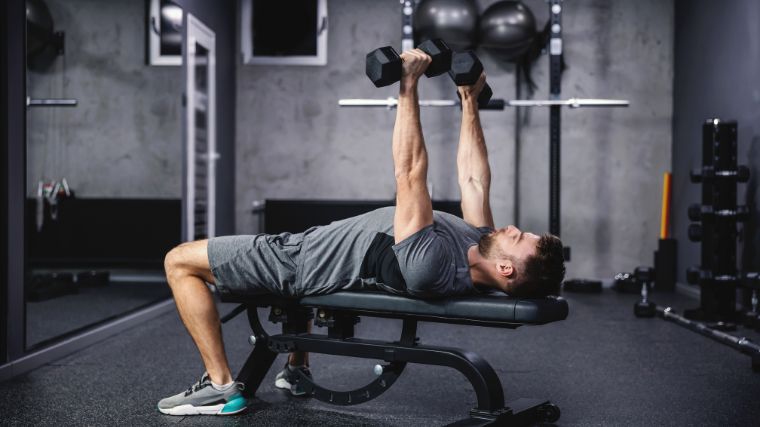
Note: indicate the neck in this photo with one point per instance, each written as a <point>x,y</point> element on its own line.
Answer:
<point>482,272</point>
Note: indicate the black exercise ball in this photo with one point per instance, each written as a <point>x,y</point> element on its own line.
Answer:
<point>39,26</point>
<point>454,21</point>
<point>42,44</point>
<point>507,29</point>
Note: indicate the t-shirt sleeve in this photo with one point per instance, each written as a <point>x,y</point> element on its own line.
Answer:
<point>426,262</point>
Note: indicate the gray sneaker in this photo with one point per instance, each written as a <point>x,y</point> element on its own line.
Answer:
<point>287,380</point>
<point>203,399</point>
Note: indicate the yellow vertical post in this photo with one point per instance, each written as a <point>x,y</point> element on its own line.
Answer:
<point>665,216</point>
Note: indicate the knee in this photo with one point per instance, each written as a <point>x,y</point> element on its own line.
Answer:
<point>173,264</point>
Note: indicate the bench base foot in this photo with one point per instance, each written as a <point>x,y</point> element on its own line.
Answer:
<point>517,413</point>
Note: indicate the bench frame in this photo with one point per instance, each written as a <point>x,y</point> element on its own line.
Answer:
<point>340,340</point>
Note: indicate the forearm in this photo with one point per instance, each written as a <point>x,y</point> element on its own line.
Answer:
<point>472,155</point>
<point>409,154</point>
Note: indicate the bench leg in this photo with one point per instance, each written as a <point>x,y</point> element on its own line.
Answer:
<point>480,374</point>
<point>256,367</point>
<point>259,361</point>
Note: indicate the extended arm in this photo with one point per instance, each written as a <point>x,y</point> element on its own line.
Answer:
<point>414,209</point>
<point>473,171</point>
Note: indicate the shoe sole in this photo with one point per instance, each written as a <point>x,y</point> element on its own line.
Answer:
<point>232,407</point>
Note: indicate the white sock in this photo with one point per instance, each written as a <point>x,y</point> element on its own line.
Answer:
<point>222,387</point>
<point>294,367</point>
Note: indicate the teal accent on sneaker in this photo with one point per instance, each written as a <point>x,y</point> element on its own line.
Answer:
<point>236,404</point>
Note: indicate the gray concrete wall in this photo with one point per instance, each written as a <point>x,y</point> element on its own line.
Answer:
<point>294,142</point>
<point>124,138</point>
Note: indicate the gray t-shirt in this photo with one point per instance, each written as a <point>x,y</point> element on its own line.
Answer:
<point>358,253</point>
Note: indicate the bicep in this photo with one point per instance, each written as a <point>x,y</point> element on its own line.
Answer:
<point>414,209</point>
<point>476,206</point>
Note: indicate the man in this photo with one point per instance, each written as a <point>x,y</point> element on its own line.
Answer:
<point>408,250</point>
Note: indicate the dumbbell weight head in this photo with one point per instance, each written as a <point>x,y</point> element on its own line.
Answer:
<point>695,212</point>
<point>383,66</point>
<point>695,232</point>
<point>644,309</point>
<point>466,68</point>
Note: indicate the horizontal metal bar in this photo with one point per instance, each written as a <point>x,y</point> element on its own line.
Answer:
<point>51,102</point>
<point>494,104</point>
<point>572,102</point>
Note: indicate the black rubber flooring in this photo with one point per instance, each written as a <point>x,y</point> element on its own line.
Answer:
<point>602,367</point>
<point>57,316</point>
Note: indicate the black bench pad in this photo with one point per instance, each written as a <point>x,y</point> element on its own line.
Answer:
<point>493,307</point>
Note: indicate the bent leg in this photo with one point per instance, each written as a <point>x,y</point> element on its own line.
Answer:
<point>187,271</point>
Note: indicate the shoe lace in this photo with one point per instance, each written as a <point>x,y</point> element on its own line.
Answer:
<point>201,383</point>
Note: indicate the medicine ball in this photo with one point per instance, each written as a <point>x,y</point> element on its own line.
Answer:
<point>507,29</point>
<point>39,26</point>
<point>454,21</point>
<point>41,40</point>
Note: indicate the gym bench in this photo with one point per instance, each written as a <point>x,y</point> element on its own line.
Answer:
<point>339,312</point>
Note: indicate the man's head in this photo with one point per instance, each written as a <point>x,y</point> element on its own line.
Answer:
<point>527,265</point>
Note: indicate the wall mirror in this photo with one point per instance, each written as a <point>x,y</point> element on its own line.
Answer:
<point>200,131</point>
<point>103,166</point>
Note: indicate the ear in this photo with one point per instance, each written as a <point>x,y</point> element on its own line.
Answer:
<point>505,268</point>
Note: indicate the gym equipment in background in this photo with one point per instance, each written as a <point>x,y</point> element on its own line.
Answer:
<point>493,104</point>
<point>455,21</point>
<point>43,43</point>
<point>665,256</point>
<point>43,46</point>
<point>582,286</point>
<point>663,276</point>
<point>643,277</point>
<point>717,275</point>
<point>507,29</point>
<point>715,224</point>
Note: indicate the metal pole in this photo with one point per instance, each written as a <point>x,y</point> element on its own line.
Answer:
<point>555,89</point>
<point>518,139</point>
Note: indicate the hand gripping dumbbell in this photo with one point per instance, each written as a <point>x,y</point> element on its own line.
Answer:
<point>383,64</point>
<point>465,70</point>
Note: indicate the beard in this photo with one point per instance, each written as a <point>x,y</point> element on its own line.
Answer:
<point>487,247</point>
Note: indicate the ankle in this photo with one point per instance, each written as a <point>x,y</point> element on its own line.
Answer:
<point>221,379</point>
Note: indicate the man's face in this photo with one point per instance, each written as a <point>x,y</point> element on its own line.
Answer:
<point>508,242</point>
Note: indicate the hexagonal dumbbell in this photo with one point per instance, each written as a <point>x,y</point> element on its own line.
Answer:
<point>695,232</point>
<point>383,65</point>
<point>465,70</point>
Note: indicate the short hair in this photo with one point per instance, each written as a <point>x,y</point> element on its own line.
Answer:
<point>541,274</point>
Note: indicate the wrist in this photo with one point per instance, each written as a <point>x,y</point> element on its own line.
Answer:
<point>469,104</point>
<point>408,85</point>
